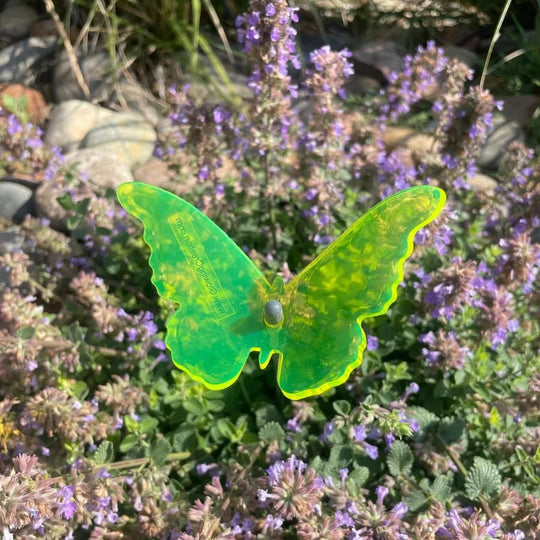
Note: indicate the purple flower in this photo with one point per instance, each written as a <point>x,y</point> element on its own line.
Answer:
<point>372,343</point>
<point>270,10</point>
<point>272,523</point>
<point>371,451</point>
<point>13,125</point>
<point>359,433</point>
<point>343,519</point>
<point>400,510</point>
<point>381,492</point>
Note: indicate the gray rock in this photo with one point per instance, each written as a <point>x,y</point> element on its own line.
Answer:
<point>71,120</point>
<point>483,183</point>
<point>11,239</point>
<point>520,109</point>
<point>102,170</point>
<point>97,72</point>
<point>383,54</point>
<point>137,99</point>
<point>462,54</point>
<point>373,62</point>
<point>125,135</point>
<point>16,19</point>
<point>48,207</point>
<point>15,201</point>
<point>504,133</point>
<point>20,62</point>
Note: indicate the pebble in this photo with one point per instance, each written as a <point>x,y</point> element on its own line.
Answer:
<point>71,120</point>
<point>483,183</point>
<point>520,109</point>
<point>11,240</point>
<point>21,62</point>
<point>155,172</point>
<point>36,107</point>
<point>419,143</point>
<point>96,69</point>
<point>504,133</point>
<point>126,135</point>
<point>137,99</point>
<point>48,207</point>
<point>15,201</point>
<point>468,57</point>
<point>102,170</point>
<point>16,20</point>
<point>383,54</point>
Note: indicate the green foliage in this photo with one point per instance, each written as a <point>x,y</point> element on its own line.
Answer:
<point>483,479</point>
<point>271,432</point>
<point>17,106</point>
<point>161,31</point>
<point>104,453</point>
<point>159,451</point>
<point>400,459</point>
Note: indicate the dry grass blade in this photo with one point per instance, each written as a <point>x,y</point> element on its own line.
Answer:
<point>72,57</point>
<point>219,28</point>
<point>496,36</point>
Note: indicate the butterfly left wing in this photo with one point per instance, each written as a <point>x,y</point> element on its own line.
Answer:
<point>321,338</point>
<point>219,289</point>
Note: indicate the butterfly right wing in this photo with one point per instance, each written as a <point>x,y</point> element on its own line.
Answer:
<point>356,277</point>
<point>220,290</point>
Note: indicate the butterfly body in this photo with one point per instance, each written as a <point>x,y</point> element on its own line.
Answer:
<point>227,308</point>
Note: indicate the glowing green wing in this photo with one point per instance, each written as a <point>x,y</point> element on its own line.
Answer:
<point>219,289</point>
<point>321,339</point>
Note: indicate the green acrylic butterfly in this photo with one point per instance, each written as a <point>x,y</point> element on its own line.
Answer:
<point>228,309</point>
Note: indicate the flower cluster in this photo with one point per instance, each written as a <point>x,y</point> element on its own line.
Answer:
<point>24,152</point>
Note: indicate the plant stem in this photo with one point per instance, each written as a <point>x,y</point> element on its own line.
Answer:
<point>132,463</point>
<point>129,464</point>
<point>496,36</point>
<point>270,203</point>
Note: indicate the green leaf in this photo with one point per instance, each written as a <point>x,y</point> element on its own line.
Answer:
<point>441,488</point>
<point>26,332</point>
<point>80,390</point>
<point>494,417</point>
<point>427,423</point>
<point>266,414</point>
<point>483,479</point>
<point>342,407</point>
<point>400,458</point>
<point>272,432</point>
<point>129,442</point>
<point>104,453</point>
<point>451,429</point>
<point>215,405</point>
<point>16,105</point>
<point>185,440</point>
<point>194,406</point>
<point>356,479</point>
<point>416,501</point>
<point>340,456</point>
<point>226,428</point>
<point>148,423</point>
<point>159,451</point>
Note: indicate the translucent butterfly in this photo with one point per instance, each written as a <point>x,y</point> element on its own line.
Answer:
<point>227,308</point>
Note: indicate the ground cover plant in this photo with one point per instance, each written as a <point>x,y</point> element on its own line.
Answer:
<point>436,435</point>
